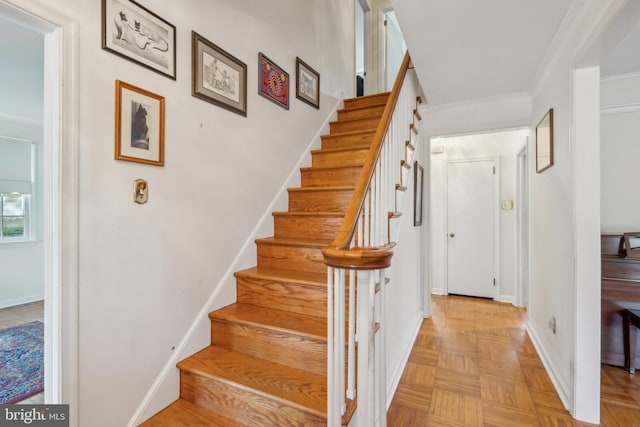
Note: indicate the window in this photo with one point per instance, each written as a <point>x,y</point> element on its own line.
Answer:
<point>16,189</point>
<point>14,216</point>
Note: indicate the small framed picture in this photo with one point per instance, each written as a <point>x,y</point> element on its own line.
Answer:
<point>273,82</point>
<point>139,125</point>
<point>307,84</point>
<point>134,32</point>
<point>218,77</point>
<point>418,184</point>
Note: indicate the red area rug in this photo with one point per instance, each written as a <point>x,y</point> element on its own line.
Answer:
<point>21,362</point>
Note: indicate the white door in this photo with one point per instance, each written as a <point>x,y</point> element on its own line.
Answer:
<point>471,210</point>
<point>395,47</point>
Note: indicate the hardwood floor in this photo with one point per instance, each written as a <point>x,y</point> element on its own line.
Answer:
<point>14,316</point>
<point>474,365</point>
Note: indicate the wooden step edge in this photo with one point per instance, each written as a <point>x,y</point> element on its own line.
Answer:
<point>320,189</point>
<point>418,100</point>
<point>417,114</point>
<point>365,146</point>
<point>400,187</point>
<point>327,168</point>
<point>410,146</point>
<point>361,107</point>
<point>183,413</point>
<point>405,164</point>
<point>309,214</point>
<point>376,327</point>
<point>302,243</point>
<point>373,95</point>
<point>269,314</point>
<point>414,128</point>
<point>235,382</point>
<point>392,215</point>
<point>285,276</point>
<point>347,134</point>
<point>356,120</point>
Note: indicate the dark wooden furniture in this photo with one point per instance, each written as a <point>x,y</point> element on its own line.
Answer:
<point>631,323</point>
<point>620,289</point>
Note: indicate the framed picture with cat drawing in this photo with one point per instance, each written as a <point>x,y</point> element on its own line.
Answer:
<point>139,125</point>
<point>134,32</point>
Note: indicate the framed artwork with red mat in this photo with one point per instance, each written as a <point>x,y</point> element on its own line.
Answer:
<point>273,82</point>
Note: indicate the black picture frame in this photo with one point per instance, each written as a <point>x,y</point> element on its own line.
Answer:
<point>217,76</point>
<point>132,31</point>
<point>307,84</point>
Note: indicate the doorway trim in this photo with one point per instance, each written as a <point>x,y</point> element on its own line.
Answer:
<point>521,291</point>
<point>61,195</point>
<point>496,222</point>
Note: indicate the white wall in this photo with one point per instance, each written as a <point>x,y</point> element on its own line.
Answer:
<point>620,127</point>
<point>147,270</point>
<point>495,144</point>
<point>21,106</point>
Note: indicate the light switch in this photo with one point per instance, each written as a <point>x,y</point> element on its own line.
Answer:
<point>140,191</point>
<point>507,205</point>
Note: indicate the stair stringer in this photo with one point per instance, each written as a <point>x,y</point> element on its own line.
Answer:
<point>166,387</point>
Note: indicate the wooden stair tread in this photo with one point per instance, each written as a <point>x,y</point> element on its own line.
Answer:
<point>297,276</point>
<point>320,189</point>
<point>286,321</point>
<point>348,133</point>
<point>326,214</point>
<point>342,149</point>
<point>311,243</point>
<point>290,385</point>
<point>361,107</point>
<point>184,413</point>
<point>356,120</point>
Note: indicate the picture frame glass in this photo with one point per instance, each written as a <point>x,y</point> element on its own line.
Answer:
<point>139,125</point>
<point>307,84</point>
<point>136,33</point>
<point>273,82</point>
<point>218,77</point>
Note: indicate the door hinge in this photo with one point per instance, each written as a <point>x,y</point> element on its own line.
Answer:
<point>494,170</point>
<point>385,22</point>
<point>494,282</point>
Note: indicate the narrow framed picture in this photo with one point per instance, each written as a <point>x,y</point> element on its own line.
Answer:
<point>273,82</point>
<point>139,35</point>
<point>307,84</point>
<point>217,76</point>
<point>139,125</point>
<point>418,184</point>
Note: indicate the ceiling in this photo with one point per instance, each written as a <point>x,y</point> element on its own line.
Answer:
<point>470,49</point>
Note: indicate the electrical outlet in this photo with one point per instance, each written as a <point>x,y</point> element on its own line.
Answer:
<point>552,324</point>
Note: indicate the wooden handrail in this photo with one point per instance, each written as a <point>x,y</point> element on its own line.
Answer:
<point>364,258</point>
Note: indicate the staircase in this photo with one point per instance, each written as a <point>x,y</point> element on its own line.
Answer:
<point>267,362</point>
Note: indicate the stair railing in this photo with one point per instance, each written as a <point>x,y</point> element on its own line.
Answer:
<point>357,260</point>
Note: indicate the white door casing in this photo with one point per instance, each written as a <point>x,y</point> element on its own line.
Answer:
<point>521,297</point>
<point>471,223</point>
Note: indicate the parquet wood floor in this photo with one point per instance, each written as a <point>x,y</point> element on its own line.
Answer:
<point>473,364</point>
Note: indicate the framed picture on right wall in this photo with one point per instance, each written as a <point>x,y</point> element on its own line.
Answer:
<point>544,142</point>
<point>307,84</point>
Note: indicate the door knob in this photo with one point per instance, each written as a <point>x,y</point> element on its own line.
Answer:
<point>452,234</point>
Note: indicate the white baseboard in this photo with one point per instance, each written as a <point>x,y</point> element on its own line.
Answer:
<point>506,298</point>
<point>437,291</point>
<point>397,375</point>
<point>19,301</point>
<point>561,389</point>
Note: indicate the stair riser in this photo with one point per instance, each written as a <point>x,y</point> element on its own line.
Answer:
<point>355,157</point>
<point>361,113</point>
<point>319,201</point>
<point>243,405</point>
<point>277,346</point>
<point>291,258</point>
<point>314,177</point>
<point>294,297</point>
<point>363,101</point>
<point>310,227</point>
<point>346,141</point>
<point>354,125</point>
